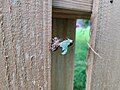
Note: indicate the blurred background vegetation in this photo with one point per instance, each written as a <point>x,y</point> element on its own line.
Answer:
<point>81,52</point>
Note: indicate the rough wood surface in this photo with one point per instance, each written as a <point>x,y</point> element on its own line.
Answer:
<point>79,5</point>
<point>71,14</point>
<point>93,21</point>
<point>25,32</point>
<point>106,71</point>
<point>63,66</point>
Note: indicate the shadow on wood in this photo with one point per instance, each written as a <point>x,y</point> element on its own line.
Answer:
<point>63,65</point>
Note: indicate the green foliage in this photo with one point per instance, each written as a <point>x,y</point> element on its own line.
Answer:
<point>82,36</point>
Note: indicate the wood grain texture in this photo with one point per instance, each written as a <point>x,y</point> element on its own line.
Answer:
<point>63,65</point>
<point>77,5</point>
<point>105,72</point>
<point>25,32</point>
<point>90,60</point>
<point>71,14</point>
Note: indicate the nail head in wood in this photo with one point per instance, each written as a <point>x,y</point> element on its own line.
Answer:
<point>111,1</point>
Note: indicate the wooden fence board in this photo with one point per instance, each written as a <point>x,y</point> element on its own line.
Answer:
<point>71,14</point>
<point>105,73</point>
<point>25,32</point>
<point>63,65</point>
<point>79,5</point>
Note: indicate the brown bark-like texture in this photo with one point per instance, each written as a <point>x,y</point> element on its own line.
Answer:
<point>105,71</point>
<point>25,32</point>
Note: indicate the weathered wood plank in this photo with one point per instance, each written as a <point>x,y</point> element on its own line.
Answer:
<point>63,66</point>
<point>94,21</point>
<point>25,32</point>
<point>65,13</point>
<point>105,73</point>
<point>77,5</point>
